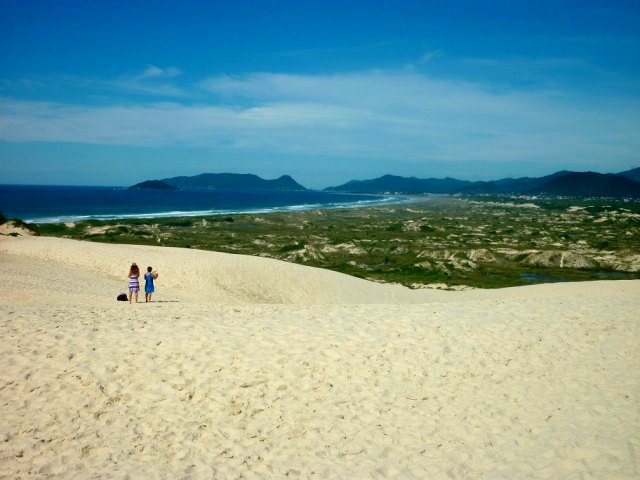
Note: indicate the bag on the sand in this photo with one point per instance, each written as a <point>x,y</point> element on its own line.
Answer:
<point>122,297</point>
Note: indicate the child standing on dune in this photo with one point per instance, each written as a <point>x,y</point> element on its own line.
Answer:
<point>149,277</point>
<point>134,282</point>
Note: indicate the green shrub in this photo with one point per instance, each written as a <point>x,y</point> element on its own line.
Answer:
<point>292,247</point>
<point>601,244</point>
<point>179,223</point>
<point>27,226</point>
<point>54,229</point>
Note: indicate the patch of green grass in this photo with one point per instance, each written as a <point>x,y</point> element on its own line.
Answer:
<point>482,242</point>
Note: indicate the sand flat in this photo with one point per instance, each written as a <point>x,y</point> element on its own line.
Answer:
<point>254,368</point>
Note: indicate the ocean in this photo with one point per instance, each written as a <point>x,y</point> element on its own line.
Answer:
<point>50,204</point>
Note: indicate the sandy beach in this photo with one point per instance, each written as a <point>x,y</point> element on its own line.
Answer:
<point>249,367</point>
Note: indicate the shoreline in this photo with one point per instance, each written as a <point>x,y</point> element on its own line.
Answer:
<point>183,203</point>
<point>219,213</point>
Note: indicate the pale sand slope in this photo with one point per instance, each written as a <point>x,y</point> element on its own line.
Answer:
<point>253,368</point>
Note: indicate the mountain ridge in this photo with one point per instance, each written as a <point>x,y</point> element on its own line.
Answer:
<point>152,185</point>
<point>394,183</point>
<point>563,183</point>
<point>633,174</point>
<point>239,181</point>
<point>593,184</point>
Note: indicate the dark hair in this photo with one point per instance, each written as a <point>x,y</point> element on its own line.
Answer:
<point>149,269</point>
<point>134,270</point>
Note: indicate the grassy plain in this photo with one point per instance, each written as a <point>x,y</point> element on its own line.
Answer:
<point>448,241</point>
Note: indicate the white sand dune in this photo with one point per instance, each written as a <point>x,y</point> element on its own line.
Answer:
<point>253,368</point>
<point>214,277</point>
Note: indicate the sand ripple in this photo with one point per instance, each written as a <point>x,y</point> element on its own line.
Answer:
<point>538,382</point>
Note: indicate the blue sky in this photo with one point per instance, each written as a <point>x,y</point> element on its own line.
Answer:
<point>116,92</point>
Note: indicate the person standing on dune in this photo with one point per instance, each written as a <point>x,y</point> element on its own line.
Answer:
<point>149,277</point>
<point>134,281</point>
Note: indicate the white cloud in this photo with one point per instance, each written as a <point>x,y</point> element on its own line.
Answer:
<point>151,82</point>
<point>388,116</point>
<point>427,57</point>
<point>156,72</point>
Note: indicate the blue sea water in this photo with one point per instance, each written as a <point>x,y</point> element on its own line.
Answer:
<point>49,204</point>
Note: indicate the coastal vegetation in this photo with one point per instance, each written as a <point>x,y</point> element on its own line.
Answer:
<point>15,227</point>
<point>444,241</point>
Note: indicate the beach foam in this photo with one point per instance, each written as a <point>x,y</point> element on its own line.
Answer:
<point>250,367</point>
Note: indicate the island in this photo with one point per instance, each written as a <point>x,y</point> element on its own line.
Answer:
<point>235,181</point>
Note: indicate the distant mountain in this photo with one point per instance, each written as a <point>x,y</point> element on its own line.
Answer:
<point>392,183</point>
<point>152,185</point>
<point>510,185</point>
<point>233,181</point>
<point>590,184</point>
<point>633,174</point>
<point>563,183</point>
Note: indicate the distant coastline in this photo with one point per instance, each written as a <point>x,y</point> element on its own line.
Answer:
<point>53,204</point>
<point>224,194</point>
